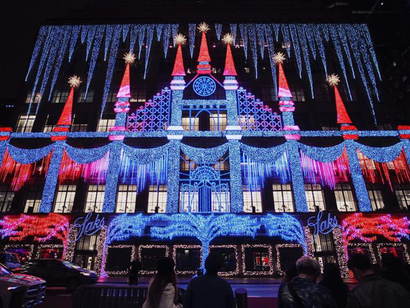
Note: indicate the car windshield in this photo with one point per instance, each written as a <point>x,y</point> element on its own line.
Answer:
<point>4,271</point>
<point>71,265</point>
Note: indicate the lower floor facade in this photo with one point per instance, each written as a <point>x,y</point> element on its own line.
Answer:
<point>249,244</point>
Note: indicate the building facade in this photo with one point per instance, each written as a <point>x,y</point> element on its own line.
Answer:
<point>162,149</point>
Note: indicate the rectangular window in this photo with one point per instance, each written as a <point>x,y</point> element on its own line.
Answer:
<point>344,198</point>
<point>95,198</point>
<point>64,199</point>
<point>37,98</point>
<point>220,201</point>
<point>6,198</point>
<point>50,123</point>
<point>112,95</point>
<point>252,201</point>
<point>188,201</point>
<point>157,199</point>
<point>314,197</point>
<point>33,199</point>
<point>88,242</point>
<point>88,99</point>
<point>298,94</point>
<point>126,199</point>
<point>217,122</point>
<point>282,198</point>
<point>78,125</point>
<point>403,195</point>
<point>60,95</point>
<point>376,198</point>
<point>25,123</point>
<point>190,124</point>
<point>139,95</point>
<point>268,94</point>
<point>104,125</point>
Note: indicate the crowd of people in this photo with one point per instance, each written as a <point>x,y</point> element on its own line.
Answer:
<point>303,285</point>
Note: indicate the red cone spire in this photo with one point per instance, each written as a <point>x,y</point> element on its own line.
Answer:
<point>125,90</point>
<point>65,118</point>
<point>342,115</point>
<point>203,59</point>
<point>229,64</point>
<point>179,69</point>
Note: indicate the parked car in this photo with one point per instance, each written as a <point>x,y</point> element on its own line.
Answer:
<point>19,290</point>
<point>59,273</point>
<point>10,259</point>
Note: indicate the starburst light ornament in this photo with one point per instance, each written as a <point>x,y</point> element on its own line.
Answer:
<point>129,57</point>
<point>74,81</point>
<point>180,39</point>
<point>333,79</point>
<point>203,27</point>
<point>228,38</point>
<point>279,57</point>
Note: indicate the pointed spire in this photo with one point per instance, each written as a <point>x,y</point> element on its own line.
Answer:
<point>283,83</point>
<point>66,114</point>
<point>125,90</point>
<point>342,115</point>
<point>203,59</point>
<point>229,63</point>
<point>179,69</point>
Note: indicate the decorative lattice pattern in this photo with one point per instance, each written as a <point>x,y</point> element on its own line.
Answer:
<point>154,116</point>
<point>253,115</point>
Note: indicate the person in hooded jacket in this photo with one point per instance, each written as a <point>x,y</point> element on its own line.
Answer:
<point>162,290</point>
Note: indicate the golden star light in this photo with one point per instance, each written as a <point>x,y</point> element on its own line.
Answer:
<point>74,81</point>
<point>203,27</point>
<point>333,79</point>
<point>129,57</point>
<point>279,57</point>
<point>180,39</point>
<point>228,38</point>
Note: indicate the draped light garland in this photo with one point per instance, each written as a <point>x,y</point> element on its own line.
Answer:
<point>22,172</point>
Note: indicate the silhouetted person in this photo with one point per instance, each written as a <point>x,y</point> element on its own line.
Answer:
<point>332,280</point>
<point>374,291</point>
<point>303,291</point>
<point>162,289</point>
<point>392,268</point>
<point>209,290</point>
<point>134,269</point>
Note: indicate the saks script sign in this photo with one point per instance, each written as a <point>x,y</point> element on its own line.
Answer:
<point>322,225</point>
<point>88,226</point>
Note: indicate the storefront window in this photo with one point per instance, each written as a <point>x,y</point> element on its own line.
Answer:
<point>157,199</point>
<point>344,198</point>
<point>314,197</point>
<point>150,255</point>
<point>252,201</point>
<point>126,198</point>
<point>187,258</point>
<point>282,198</point>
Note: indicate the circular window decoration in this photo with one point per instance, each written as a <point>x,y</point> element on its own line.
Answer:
<point>204,86</point>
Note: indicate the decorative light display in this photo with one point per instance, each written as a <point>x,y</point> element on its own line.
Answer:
<point>253,40</point>
<point>341,252</point>
<point>244,36</point>
<point>28,247</point>
<point>205,228</point>
<point>132,258</point>
<point>345,43</point>
<point>204,86</point>
<point>234,29</point>
<point>271,53</point>
<point>141,247</point>
<point>305,52</point>
<point>286,227</point>
<point>366,229</point>
<point>260,31</point>
<point>309,242</point>
<point>270,260</point>
<point>359,247</point>
<point>126,29</point>
<point>100,261</point>
<point>37,47</point>
<point>141,38</point>
<point>278,247</point>
<point>186,247</point>
<point>47,246</point>
<point>41,228</point>
<point>70,247</point>
<point>320,46</point>
<point>380,247</point>
<point>218,30</point>
<point>108,37</point>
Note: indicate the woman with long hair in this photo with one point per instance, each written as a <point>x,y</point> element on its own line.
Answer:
<point>162,290</point>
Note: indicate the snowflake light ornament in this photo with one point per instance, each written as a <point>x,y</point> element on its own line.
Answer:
<point>279,57</point>
<point>333,79</point>
<point>180,39</point>
<point>228,38</point>
<point>74,81</point>
<point>203,27</point>
<point>129,57</point>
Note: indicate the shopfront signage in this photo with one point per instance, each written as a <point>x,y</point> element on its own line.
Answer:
<point>322,225</point>
<point>87,225</point>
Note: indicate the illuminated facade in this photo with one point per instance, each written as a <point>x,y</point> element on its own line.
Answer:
<point>203,165</point>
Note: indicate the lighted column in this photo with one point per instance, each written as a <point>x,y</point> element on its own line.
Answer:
<point>404,133</point>
<point>111,182</point>
<point>52,178</point>
<point>287,107</point>
<point>235,176</point>
<point>173,176</point>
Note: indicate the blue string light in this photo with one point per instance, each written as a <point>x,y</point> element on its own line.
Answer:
<point>84,31</point>
<point>191,38</point>
<point>90,40</point>
<point>343,38</point>
<point>94,56</point>
<point>39,42</point>
<point>174,31</point>
<point>133,36</point>
<point>244,36</point>
<point>310,36</point>
<point>125,30</point>
<point>260,31</point>
<point>150,36</point>
<point>234,29</point>
<point>367,36</point>
<point>108,38</point>
<point>218,30</point>
<point>159,28</point>
<point>141,37</point>
<point>296,48</point>
<point>305,52</point>
<point>286,37</point>
<point>73,40</point>
<point>276,29</point>
<point>320,46</point>
<point>271,53</point>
